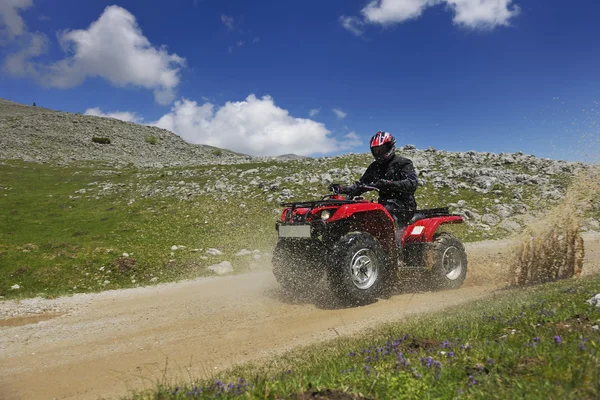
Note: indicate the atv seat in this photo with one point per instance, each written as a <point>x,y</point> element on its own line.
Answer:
<point>430,212</point>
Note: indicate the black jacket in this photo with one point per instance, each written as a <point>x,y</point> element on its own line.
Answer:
<point>401,172</point>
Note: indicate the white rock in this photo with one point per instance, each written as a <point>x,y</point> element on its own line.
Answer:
<point>15,287</point>
<point>125,255</point>
<point>595,300</point>
<point>257,257</point>
<point>222,268</point>
<point>173,248</point>
<point>243,252</point>
<point>214,252</point>
<point>154,279</point>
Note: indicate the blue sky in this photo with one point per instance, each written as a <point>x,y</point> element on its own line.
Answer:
<point>484,75</point>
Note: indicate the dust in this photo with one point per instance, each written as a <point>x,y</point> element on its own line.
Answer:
<point>552,248</point>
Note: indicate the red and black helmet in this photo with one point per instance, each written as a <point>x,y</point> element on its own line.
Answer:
<point>382,146</point>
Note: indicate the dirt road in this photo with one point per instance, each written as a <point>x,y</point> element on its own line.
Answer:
<point>115,341</point>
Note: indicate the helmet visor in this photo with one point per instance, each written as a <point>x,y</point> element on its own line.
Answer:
<point>380,151</point>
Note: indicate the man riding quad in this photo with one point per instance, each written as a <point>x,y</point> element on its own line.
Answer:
<point>394,176</point>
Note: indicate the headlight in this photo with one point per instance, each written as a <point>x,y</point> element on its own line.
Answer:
<point>325,215</point>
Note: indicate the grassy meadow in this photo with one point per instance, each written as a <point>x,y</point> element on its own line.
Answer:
<point>88,228</point>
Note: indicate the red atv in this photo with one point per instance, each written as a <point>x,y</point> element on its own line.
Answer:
<point>353,241</point>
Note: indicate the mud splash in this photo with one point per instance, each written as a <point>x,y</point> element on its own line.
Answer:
<point>552,248</point>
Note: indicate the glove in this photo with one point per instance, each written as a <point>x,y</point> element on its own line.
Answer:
<point>335,187</point>
<point>382,184</point>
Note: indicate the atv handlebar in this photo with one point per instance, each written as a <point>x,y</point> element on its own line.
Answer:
<point>362,188</point>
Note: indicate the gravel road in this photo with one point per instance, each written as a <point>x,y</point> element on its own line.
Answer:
<point>102,345</point>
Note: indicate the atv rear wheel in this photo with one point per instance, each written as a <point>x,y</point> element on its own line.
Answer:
<point>293,270</point>
<point>358,270</point>
<point>449,268</point>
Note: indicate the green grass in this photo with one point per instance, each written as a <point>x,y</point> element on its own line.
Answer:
<point>54,241</point>
<point>534,343</point>
<point>57,239</point>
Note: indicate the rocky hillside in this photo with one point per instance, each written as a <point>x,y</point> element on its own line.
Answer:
<point>38,134</point>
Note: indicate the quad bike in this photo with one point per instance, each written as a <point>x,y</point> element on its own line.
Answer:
<point>352,242</point>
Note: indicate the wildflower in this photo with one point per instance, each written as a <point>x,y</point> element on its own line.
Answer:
<point>445,344</point>
<point>472,381</point>
<point>426,361</point>
<point>450,354</point>
<point>351,354</point>
<point>557,339</point>
<point>289,371</point>
<point>490,361</point>
<point>367,370</point>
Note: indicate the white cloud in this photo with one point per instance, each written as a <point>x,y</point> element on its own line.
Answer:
<point>11,23</point>
<point>228,21</point>
<point>114,48</point>
<point>353,24</point>
<point>339,113</point>
<point>122,115</point>
<point>476,14</point>
<point>351,140</point>
<point>483,14</point>
<point>314,112</point>
<point>386,12</point>
<point>253,126</point>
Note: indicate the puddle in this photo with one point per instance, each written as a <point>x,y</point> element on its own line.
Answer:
<point>30,319</point>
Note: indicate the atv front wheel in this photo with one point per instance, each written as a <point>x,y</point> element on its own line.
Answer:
<point>449,268</point>
<point>358,270</point>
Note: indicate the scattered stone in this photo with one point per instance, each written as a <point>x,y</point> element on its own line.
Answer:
<point>15,287</point>
<point>595,301</point>
<point>222,268</point>
<point>243,252</point>
<point>510,225</point>
<point>214,252</point>
<point>490,219</point>
<point>173,248</point>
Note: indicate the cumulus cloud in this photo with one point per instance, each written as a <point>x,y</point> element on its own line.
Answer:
<point>113,48</point>
<point>11,23</point>
<point>339,113</point>
<point>483,14</point>
<point>476,14</point>
<point>254,126</point>
<point>122,115</point>
<point>394,11</point>
<point>314,112</point>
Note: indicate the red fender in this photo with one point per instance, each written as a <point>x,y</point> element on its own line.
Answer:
<point>423,230</point>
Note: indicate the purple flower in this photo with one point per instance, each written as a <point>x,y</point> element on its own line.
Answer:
<point>426,361</point>
<point>402,360</point>
<point>490,361</point>
<point>557,339</point>
<point>351,354</point>
<point>450,354</point>
<point>289,371</point>
<point>536,340</point>
<point>445,344</point>
<point>367,370</point>
<point>472,381</point>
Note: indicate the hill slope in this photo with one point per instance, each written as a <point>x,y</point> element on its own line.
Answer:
<point>41,135</point>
